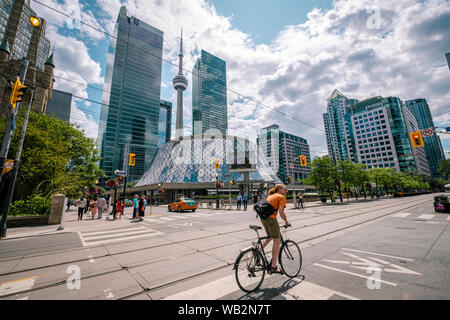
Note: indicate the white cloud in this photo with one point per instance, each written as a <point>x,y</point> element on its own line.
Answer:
<point>86,122</point>
<point>347,47</point>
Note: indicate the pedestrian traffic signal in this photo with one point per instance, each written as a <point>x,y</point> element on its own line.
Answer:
<point>132,160</point>
<point>217,163</point>
<point>17,91</point>
<point>303,161</point>
<point>416,139</point>
<point>120,179</point>
<point>290,179</point>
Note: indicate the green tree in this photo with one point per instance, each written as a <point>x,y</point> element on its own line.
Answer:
<point>56,158</point>
<point>322,171</point>
<point>444,168</point>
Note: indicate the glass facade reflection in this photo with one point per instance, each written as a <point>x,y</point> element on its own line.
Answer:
<point>209,94</point>
<point>129,120</point>
<point>191,159</point>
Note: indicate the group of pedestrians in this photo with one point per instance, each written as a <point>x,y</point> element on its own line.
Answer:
<point>139,205</point>
<point>95,205</point>
<point>243,199</point>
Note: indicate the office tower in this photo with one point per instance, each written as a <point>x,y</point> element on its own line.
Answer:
<point>338,129</point>
<point>165,122</point>
<point>433,147</point>
<point>60,105</point>
<point>180,84</point>
<point>381,129</point>
<point>129,118</point>
<point>282,151</point>
<point>209,95</point>
<point>20,39</point>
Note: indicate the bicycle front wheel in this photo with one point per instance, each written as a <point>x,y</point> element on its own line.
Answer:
<point>250,270</point>
<point>290,258</point>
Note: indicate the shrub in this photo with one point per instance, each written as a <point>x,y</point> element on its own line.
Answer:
<point>32,206</point>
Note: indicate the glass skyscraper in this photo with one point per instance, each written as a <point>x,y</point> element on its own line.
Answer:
<point>209,94</point>
<point>130,115</point>
<point>165,122</point>
<point>433,147</point>
<point>282,151</point>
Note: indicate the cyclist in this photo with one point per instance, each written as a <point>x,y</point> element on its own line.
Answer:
<point>278,200</point>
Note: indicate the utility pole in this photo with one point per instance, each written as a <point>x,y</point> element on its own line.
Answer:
<point>15,169</point>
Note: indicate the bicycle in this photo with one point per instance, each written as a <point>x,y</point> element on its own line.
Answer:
<point>251,264</point>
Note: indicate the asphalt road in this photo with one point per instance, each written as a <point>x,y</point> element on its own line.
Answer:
<point>383,249</point>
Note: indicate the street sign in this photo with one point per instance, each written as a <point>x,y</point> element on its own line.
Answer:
<point>427,132</point>
<point>119,173</point>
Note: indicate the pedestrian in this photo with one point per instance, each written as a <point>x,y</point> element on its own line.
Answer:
<point>263,195</point>
<point>68,204</point>
<point>119,209</point>
<point>300,200</point>
<point>135,206</point>
<point>255,198</point>
<point>245,200</point>
<point>86,208</point>
<point>101,205</point>
<point>93,207</point>
<point>239,201</point>
<point>81,204</point>
<point>141,208</point>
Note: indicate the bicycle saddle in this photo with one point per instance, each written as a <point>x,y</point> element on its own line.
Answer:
<point>255,227</point>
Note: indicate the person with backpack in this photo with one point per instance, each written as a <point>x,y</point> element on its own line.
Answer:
<point>267,210</point>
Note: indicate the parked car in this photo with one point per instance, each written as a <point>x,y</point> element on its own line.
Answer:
<point>182,204</point>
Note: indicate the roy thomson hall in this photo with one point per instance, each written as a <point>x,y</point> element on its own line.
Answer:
<point>187,166</point>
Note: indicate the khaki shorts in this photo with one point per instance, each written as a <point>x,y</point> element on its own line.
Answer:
<point>272,228</point>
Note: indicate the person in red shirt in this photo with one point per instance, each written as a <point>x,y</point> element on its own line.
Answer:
<point>278,201</point>
<point>119,208</point>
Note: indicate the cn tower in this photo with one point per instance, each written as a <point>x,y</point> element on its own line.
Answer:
<point>180,84</point>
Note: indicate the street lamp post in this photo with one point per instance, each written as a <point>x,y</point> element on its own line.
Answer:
<point>217,190</point>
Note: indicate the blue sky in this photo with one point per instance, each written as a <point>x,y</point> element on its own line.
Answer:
<point>289,55</point>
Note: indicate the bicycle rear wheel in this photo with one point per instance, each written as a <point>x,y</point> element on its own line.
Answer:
<point>290,259</point>
<point>250,270</point>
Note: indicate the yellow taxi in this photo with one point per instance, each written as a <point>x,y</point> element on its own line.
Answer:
<point>182,204</point>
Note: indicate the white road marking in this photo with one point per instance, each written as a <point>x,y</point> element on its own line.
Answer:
<point>17,285</point>
<point>87,234</point>
<point>426,216</point>
<point>135,231</point>
<point>102,237</point>
<point>401,215</point>
<point>304,290</point>
<point>448,218</point>
<point>378,254</point>
<point>354,274</point>
<point>167,219</point>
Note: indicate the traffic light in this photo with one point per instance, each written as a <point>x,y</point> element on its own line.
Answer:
<point>217,163</point>
<point>120,179</point>
<point>132,160</point>
<point>290,179</point>
<point>416,139</point>
<point>232,181</point>
<point>17,91</point>
<point>303,161</point>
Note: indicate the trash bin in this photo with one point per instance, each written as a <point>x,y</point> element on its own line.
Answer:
<point>441,204</point>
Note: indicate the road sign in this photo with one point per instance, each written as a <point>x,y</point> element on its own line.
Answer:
<point>119,173</point>
<point>427,132</point>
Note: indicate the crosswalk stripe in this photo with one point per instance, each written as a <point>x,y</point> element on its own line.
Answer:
<point>401,215</point>
<point>304,290</point>
<point>156,233</point>
<point>426,216</point>
<point>167,219</point>
<point>134,232</point>
<point>111,231</point>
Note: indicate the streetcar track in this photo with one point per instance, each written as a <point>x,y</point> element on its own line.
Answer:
<point>140,264</point>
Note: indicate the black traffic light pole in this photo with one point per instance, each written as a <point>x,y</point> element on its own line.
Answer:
<point>15,170</point>
<point>9,132</point>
